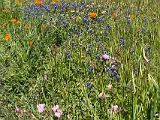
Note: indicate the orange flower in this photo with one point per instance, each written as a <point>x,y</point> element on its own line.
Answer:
<point>13,20</point>
<point>38,2</point>
<point>30,43</point>
<point>114,14</point>
<point>8,37</point>
<point>92,15</point>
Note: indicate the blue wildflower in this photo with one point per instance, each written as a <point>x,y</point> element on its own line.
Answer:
<point>121,41</point>
<point>108,27</point>
<point>88,85</point>
<point>90,69</point>
<point>113,72</point>
<point>98,57</point>
<point>55,6</point>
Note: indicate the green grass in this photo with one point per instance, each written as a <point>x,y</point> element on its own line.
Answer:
<point>54,70</point>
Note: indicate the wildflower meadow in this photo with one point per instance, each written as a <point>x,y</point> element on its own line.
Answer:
<point>80,60</point>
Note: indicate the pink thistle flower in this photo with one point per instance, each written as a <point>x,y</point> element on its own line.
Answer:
<point>102,95</point>
<point>105,57</point>
<point>110,87</point>
<point>114,109</point>
<point>41,108</point>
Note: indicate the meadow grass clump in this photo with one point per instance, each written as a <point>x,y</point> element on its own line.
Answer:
<point>79,60</point>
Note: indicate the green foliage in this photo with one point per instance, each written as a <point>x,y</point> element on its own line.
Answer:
<point>54,58</point>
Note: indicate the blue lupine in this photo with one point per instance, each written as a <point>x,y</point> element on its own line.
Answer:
<point>98,57</point>
<point>47,8</point>
<point>73,5</point>
<point>55,6</point>
<point>90,69</point>
<point>113,72</point>
<point>114,65</point>
<point>108,27</point>
<point>121,41</point>
<point>88,85</point>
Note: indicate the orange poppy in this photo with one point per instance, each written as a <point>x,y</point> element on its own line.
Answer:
<point>92,15</point>
<point>114,14</point>
<point>30,43</point>
<point>13,20</point>
<point>38,2</point>
<point>8,37</point>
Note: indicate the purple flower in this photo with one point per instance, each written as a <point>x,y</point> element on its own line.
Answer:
<point>113,72</point>
<point>55,108</point>
<point>90,69</point>
<point>105,57</point>
<point>47,8</point>
<point>82,3</point>
<point>88,84</point>
<point>108,27</point>
<point>114,65</point>
<point>114,109</point>
<point>102,95</point>
<point>73,5</point>
<point>57,111</point>
<point>55,6</point>
<point>121,41</point>
<point>41,108</point>
<point>18,110</point>
<point>109,87</point>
